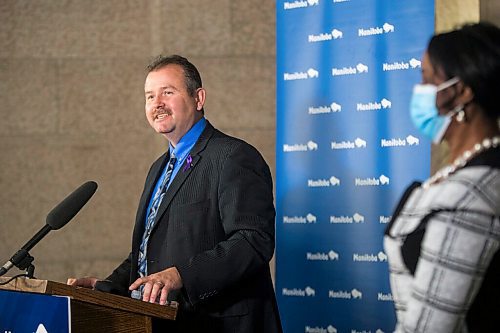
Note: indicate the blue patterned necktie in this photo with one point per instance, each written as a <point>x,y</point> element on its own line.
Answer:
<point>158,197</point>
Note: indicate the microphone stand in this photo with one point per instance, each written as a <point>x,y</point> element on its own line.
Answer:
<point>22,259</point>
<point>57,218</point>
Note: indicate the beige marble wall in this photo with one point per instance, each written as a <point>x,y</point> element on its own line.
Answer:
<point>71,104</point>
<point>490,11</point>
<point>452,13</point>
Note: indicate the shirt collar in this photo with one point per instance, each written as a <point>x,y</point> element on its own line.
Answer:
<point>189,139</point>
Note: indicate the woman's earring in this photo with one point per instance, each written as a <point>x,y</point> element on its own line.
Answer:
<point>461,116</point>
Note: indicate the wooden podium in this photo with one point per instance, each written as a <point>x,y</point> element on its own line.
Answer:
<point>95,311</point>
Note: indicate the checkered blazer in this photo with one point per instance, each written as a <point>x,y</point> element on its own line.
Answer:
<point>442,245</point>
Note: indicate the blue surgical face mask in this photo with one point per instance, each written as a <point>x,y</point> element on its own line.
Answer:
<point>424,113</point>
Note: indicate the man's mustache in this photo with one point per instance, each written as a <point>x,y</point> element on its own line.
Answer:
<point>161,110</point>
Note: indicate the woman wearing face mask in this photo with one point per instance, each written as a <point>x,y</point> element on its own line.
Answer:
<point>444,238</point>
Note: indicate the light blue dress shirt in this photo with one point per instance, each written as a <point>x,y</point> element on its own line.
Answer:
<point>181,151</point>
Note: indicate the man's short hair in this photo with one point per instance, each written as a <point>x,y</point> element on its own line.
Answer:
<point>191,74</point>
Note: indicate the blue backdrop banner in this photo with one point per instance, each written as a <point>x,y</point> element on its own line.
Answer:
<point>346,150</point>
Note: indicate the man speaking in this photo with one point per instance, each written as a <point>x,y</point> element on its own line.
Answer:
<point>204,230</point>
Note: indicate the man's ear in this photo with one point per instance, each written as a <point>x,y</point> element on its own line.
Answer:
<point>200,95</point>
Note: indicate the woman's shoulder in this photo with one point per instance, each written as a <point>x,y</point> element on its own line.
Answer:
<point>467,186</point>
<point>476,184</point>
<point>473,192</point>
<point>473,188</point>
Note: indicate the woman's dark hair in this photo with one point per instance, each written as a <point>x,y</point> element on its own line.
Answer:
<point>472,53</point>
<point>192,76</point>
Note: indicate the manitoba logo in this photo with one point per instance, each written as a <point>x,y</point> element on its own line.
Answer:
<point>384,219</point>
<point>410,140</point>
<point>333,255</point>
<point>369,257</point>
<point>310,291</point>
<point>343,294</point>
<point>382,180</point>
<point>307,292</point>
<point>309,218</point>
<point>362,68</point>
<point>322,256</point>
<point>386,104</point>
<point>334,34</point>
<point>385,29</point>
<point>333,181</point>
<point>299,4</point>
<point>414,63</point>
<point>360,143</point>
<point>357,143</point>
<point>402,65</point>
<point>384,297</point>
<point>311,73</point>
<point>383,104</point>
<point>358,218</point>
<point>343,219</point>
<point>388,27</point>
<point>318,329</point>
<point>356,294</point>
<point>358,69</point>
<point>334,107</point>
<point>309,146</point>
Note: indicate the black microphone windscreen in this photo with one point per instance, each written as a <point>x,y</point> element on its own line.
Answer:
<point>71,205</point>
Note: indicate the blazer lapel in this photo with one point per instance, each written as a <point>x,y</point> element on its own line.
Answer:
<point>184,172</point>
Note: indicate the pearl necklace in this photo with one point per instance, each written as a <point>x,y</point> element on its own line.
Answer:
<point>462,160</point>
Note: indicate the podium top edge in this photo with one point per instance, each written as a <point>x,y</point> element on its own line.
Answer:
<point>95,297</point>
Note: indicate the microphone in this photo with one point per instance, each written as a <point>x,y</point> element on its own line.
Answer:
<point>67,209</point>
<point>57,218</point>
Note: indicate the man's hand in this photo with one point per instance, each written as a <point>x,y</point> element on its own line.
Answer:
<point>86,282</point>
<point>162,282</point>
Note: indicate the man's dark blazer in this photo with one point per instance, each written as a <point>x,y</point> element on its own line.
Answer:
<point>216,226</point>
